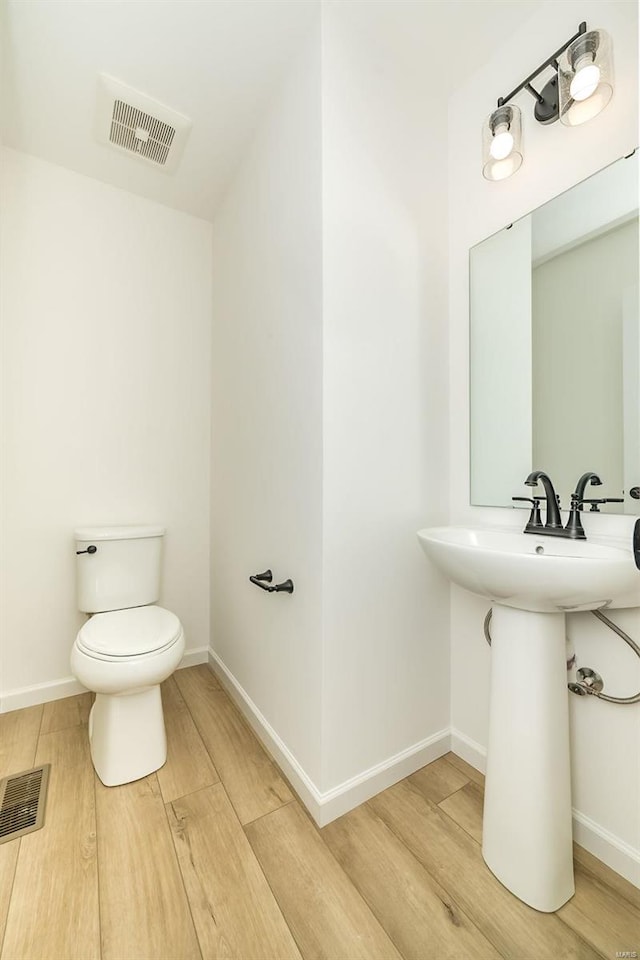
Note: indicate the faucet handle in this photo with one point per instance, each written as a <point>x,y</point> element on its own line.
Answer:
<point>595,504</point>
<point>535,520</point>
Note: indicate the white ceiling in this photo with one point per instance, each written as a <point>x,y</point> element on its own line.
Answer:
<point>217,61</point>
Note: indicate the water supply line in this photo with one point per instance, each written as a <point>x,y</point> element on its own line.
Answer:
<point>589,682</point>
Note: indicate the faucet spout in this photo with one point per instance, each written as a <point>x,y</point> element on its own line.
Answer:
<point>574,528</point>
<point>554,521</point>
<point>582,484</point>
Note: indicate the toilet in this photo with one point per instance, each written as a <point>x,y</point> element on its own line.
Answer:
<point>127,647</point>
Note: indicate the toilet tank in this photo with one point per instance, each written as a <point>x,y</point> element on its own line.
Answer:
<point>122,571</point>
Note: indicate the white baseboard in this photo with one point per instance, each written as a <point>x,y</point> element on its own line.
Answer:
<point>69,686</point>
<point>463,746</point>
<point>192,658</point>
<point>367,784</point>
<point>613,851</point>
<point>326,806</point>
<point>40,693</point>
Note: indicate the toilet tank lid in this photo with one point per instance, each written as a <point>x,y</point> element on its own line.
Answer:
<point>133,532</point>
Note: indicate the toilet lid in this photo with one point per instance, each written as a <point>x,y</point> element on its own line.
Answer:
<point>129,633</point>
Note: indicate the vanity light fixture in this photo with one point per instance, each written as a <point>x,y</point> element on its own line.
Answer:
<point>580,88</point>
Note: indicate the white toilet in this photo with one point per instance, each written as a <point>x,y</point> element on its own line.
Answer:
<point>126,649</point>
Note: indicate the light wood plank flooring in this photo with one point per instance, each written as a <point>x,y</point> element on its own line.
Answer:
<point>214,857</point>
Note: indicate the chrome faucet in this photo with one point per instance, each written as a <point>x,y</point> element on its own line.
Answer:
<point>553,526</point>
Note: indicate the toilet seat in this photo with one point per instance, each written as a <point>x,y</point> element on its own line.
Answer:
<point>121,635</point>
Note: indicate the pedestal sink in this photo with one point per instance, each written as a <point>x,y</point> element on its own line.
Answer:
<point>532,582</point>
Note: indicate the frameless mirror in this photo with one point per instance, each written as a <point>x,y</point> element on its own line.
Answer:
<point>555,345</point>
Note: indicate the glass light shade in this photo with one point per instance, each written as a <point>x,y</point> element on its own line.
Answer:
<point>502,143</point>
<point>585,78</point>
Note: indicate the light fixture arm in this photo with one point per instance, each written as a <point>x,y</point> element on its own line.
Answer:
<point>534,93</point>
<point>550,61</point>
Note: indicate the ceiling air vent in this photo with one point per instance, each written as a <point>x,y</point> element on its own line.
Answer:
<point>135,124</point>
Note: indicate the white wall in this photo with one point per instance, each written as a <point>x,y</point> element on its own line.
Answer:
<point>385,449</point>
<point>105,400</point>
<point>605,765</point>
<point>267,416</point>
<point>329,424</point>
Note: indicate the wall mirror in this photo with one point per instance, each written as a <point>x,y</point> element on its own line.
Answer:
<point>555,345</point>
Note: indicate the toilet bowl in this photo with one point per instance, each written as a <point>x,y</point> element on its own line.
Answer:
<point>125,650</point>
<point>124,656</point>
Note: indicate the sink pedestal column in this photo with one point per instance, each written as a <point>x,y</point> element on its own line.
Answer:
<point>527,835</point>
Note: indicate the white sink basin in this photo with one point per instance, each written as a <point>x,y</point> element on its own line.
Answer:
<point>537,573</point>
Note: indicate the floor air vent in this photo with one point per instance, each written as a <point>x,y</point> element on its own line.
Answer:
<point>135,124</point>
<point>23,798</point>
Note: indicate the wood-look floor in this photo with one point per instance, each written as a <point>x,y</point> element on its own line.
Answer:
<point>213,856</point>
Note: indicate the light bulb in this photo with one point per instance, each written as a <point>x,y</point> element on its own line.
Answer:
<point>586,79</point>
<point>502,142</point>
